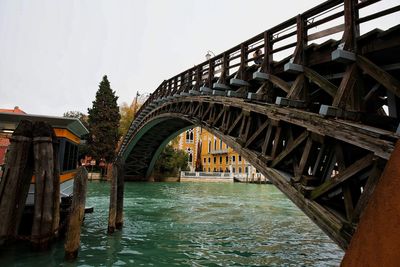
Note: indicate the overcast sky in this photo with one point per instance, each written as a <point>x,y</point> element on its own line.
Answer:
<point>54,53</point>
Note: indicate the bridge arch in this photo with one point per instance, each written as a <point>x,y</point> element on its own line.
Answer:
<point>299,151</point>
<point>320,124</point>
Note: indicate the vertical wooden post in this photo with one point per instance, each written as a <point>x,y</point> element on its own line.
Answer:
<point>14,185</point>
<point>76,215</point>
<point>113,201</point>
<point>56,185</point>
<point>44,185</point>
<point>120,196</point>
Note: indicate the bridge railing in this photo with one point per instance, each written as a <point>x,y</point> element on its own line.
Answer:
<point>340,20</point>
<point>288,39</point>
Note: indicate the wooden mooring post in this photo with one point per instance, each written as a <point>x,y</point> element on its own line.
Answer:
<point>112,213</point>
<point>77,213</point>
<point>47,187</point>
<point>120,196</point>
<point>14,185</point>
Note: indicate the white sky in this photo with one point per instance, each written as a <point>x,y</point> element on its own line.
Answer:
<point>53,54</point>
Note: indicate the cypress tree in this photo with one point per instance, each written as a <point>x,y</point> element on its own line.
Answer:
<point>104,122</point>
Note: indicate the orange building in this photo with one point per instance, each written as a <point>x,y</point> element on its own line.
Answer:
<point>215,155</point>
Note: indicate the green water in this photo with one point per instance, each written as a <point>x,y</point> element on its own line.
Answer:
<point>192,224</point>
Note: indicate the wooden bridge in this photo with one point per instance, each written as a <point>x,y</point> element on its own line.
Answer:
<point>319,115</point>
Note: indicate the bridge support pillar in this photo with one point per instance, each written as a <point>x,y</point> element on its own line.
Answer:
<point>376,241</point>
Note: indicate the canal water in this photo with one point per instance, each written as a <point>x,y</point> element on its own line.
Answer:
<point>192,224</point>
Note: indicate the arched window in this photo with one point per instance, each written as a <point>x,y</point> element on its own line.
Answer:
<point>220,144</point>
<point>240,169</point>
<point>215,144</point>
<point>209,146</point>
<point>233,170</point>
<point>189,136</point>
<point>189,151</point>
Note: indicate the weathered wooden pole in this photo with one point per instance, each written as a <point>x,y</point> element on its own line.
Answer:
<point>120,195</point>
<point>42,227</point>
<point>76,215</point>
<point>56,184</point>
<point>112,213</point>
<point>14,185</point>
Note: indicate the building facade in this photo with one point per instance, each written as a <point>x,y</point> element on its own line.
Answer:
<point>211,154</point>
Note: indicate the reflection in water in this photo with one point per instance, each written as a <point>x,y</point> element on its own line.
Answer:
<point>193,224</point>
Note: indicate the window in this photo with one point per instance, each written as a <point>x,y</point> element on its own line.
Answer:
<point>209,146</point>
<point>208,169</point>
<point>226,159</point>
<point>215,170</point>
<point>190,155</point>
<point>220,159</point>
<point>233,158</point>
<point>220,144</point>
<point>215,144</point>
<point>209,160</point>
<point>240,169</point>
<point>204,160</point>
<point>70,156</point>
<point>233,170</point>
<point>240,158</point>
<point>215,159</point>
<point>189,136</point>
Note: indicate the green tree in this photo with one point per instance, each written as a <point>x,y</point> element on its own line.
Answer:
<point>104,122</point>
<point>77,115</point>
<point>170,161</point>
<point>83,147</point>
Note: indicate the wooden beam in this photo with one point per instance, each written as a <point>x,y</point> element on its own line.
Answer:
<point>290,148</point>
<point>257,133</point>
<point>356,167</point>
<point>279,82</point>
<point>346,86</point>
<point>369,188</point>
<point>296,88</point>
<point>321,216</point>
<point>266,140</point>
<point>303,160</point>
<point>379,75</point>
<point>319,80</point>
<point>235,123</point>
<point>326,32</point>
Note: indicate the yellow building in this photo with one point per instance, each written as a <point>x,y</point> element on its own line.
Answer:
<point>215,156</point>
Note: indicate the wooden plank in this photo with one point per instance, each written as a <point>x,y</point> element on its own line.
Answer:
<point>290,148</point>
<point>356,167</point>
<point>379,75</point>
<point>326,32</point>
<point>319,80</point>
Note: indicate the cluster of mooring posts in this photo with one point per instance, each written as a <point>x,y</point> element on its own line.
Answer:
<point>33,156</point>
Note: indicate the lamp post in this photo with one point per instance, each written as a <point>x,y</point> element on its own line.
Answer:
<point>209,54</point>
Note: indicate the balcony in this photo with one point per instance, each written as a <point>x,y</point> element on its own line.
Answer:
<point>219,151</point>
